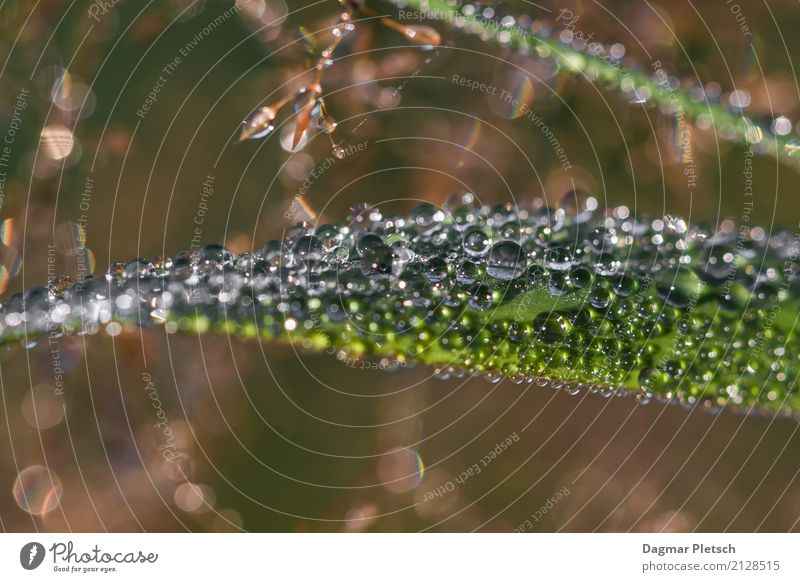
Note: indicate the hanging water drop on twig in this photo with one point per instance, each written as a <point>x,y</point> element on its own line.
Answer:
<point>306,100</point>
<point>260,123</point>
<point>309,106</point>
<point>326,123</point>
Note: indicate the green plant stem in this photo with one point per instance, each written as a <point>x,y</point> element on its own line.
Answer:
<point>619,79</point>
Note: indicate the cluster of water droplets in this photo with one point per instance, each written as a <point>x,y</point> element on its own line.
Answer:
<point>575,294</point>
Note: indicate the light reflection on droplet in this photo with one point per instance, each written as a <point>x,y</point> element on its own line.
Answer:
<point>401,470</point>
<point>713,90</point>
<point>113,329</point>
<point>11,260</point>
<point>739,99</point>
<point>388,98</point>
<point>81,261</point>
<point>251,9</point>
<point>37,490</point>
<point>5,277</point>
<point>470,140</point>
<point>361,517</point>
<point>7,232</point>
<point>69,237</point>
<point>194,498</point>
<point>42,408</point>
<point>514,96</point>
<point>259,123</point>
<point>287,135</point>
<point>275,13</point>
<point>57,141</point>
<point>70,94</point>
<point>704,121</point>
<point>782,125</point>
<point>753,134</point>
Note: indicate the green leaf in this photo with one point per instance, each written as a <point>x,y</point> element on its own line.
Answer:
<point>611,303</point>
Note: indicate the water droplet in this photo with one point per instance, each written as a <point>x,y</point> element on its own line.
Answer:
<point>599,298</point>
<point>480,297</point>
<point>678,289</point>
<point>306,97</point>
<point>368,241</point>
<point>345,25</point>
<point>214,253</point>
<point>37,490</point>
<point>476,242</point>
<point>467,272</point>
<point>259,123</point>
<point>607,265</point>
<point>138,269</point>
<point>558,259</point>
<point>308,247</point>
<point>427,217</point>
<point>506,261</point>
<point>581,277</point>
<point>577,206</point>
<point>376,262</point>
<point>326,124</point>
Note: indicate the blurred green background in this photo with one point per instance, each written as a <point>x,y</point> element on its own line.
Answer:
<point>270,438</point>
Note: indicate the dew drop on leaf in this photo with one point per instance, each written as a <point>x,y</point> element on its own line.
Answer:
<point>506,261</point>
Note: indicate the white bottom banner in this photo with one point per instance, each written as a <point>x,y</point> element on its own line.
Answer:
<point>401,557</point>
